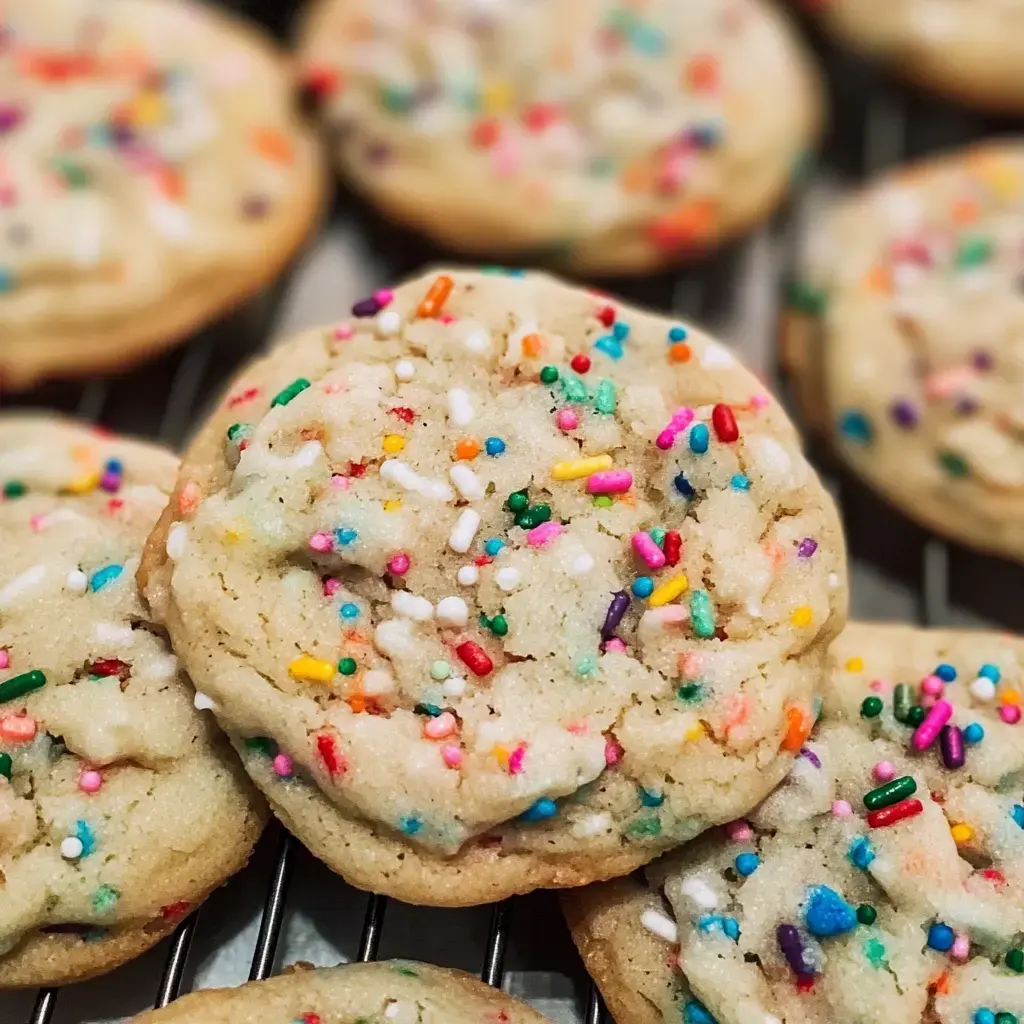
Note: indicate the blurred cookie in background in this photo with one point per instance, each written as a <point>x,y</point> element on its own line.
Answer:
<point>153,174</point>
<point>905,340</point>
<point>605,138</point>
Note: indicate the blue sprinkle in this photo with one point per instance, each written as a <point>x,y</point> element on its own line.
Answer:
<point>6,280</point>
<point>114,466</point>
<point>747,863</point>
<point>85,836</point>
<point>410,825</point>
<point>494,446</point>
<point>104,576</point>
<point>649,799</point>
<point>346,535</point>
<point>1017,813</point>
<point>676,334</point>
<point>990,672</point>
<point>643,586</point>
<point>540,809</point>
<point>861,853</point>
<point>647,40</point>
<point>695,1012</point>
<point>974,733</point>
<point>946,672</point>
<point>940,937</point>
<point>609,346</point>
<point>856,427</point>
<point>493,545</point>
<point>683,486</point>
<point>621,331</point>
<point>740,482</point>
<point>983,1016</point>
<point>699,438</point>
<point>349,610</point>
<point>826,913</point>
<point>717,923</point>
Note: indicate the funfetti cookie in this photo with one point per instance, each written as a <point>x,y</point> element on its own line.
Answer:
<point>882,883</point>
<point>120,807</point>
<point>970,54</point>
<point>153,174</point>
<point>906,339</point>
<point>399,991</point>
<point>598,136</point>
<point>497,585</point>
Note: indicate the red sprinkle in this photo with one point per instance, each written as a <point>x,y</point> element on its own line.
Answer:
<point>483,560</point>
<point>612,751</point>
<point>357,469</point>
<point>110,667</point>
<point>475,658</point>
<point>175,910</point>
<point>310,1018</point>
<point>580,363</point>
<point>896,812</point>
<point>334,762</point>
<point>242,397</point>
<point>994,875</point>
<point>606,314</point>
<point>404,413</point>
<point>673,547</point>
<point>724,422</point>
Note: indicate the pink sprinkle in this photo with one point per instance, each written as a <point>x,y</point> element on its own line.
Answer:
<point>446,318</point>
<point>451,755</point>
<point>738,831</point>
<point>321,542</point>
<point>841,808</point>
<point>17,728</point>
<point>334,387</point>
<point>759,401</point>
<point>340,483</point>
<point>440,727</point>
<point>399,564</point>
<point>681,418</point>
<point>542,535</point>
<point>343,332</point>
<point>961,947</point>
<point>38,523</point>
<point>384,296</point>
<point>877,685</point>
<point>693,665</point>
<point>931,685</point>
<point>927,701</point>
<point>613,646</point>
<point>515,760</point>
<point>567,419</point>
<point>937,717</point>
<point>1010,714</point>
<point>610,481</point>
<point>5,659</point>
<point>648,550</point>
<point>612,751</point>
<point>884,771</point>
<point>90,781</point>
<point>331,586</point>
<point>667,438</point>
<point>578,728</point>
<point>283,766</point>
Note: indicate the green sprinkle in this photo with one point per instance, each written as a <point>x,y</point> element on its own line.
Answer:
<point>18,686</point>
<point>972,252</point>
<point>574,389</point>
<point>1015,960</point>
<point>73,173</point>
<point>294,389</point>
<point>644,827</point>
<point>955,465</point>
<point>586,665</point>
<point>406,972</point>
<point>396,99</point>
<point>517,501</point>
<point>549,374</point>
<point>347,666</point>
<point>891,793</point>
<point>867,914</point>
<point>657,534</point>
<point>915,716</point>
<point>702,615</point>
<point>440,670</point>
<point>533,516</point>
<point>239,431</point>
<point>427,709</point>
<point>805,298</point>
<point>604,400</point>
<point>871,707</point>
<point>603,501</point>
<point>261,745</point>
<point>499,625</point>
<point>1005,1017</point>
<point>6,766</point>
<point>902,701</point>
<point>874,950</point>
<point>105,898</point>
<point>691,693</point>
<point>14,489</point>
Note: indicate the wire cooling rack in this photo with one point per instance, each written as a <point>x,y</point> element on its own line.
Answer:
<point>907,578</point>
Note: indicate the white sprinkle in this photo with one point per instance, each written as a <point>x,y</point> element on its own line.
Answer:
<point>306,455</point>
<point>396,471</point>
<point>983,689</point>
<point>460,407</point>
<point>454,686</point>
<point>660,924</point>
<point>592,825</point>
<point>404,370</point>
<point>468,575</point>
<point>508,578</point>
<point>172,220</point>
<point>394,636</point>
<point>71,848</point>
<point>376,681</point>
<point>833,580</point>
<point>452,611</point>
<point>388,323</point>
<point>177,541</point>
<point>163,666</point>
<point>464,531</point>
<point>700,892</point>
<point>22,584</point>
<point>581,564</point>
<point>204,702</point>
<point>715,357</point>
<point>467,483</point>
<point>478,341</point>
<point>411,606</point>
<point>113,633</point>
<point>76,582</point>
<point>392,1010</point>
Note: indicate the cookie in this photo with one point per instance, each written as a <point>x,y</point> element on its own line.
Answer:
<point>402,991</point>
<point>971,55</point>
<point>600,137</point>
<point>154,176</point>
<point>120,807</point>
<point>499,586</point>
<point>882,883</point>
<point>904,338</point>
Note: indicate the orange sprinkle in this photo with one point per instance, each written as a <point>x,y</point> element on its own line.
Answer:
<point>702,73</point>
<point>468,448</point>
<point>189,498</point>
<point>680,352</point>
<point>638,176</point>
<point>692,224</point>
<point>940,985</point>
<point>964,211</point>
<point>533,345</point>
<point>1010,696</point>
<point>272,145</point>
<point>798,728</point>
<point>170,183</point>
<point>878,279</point>
<point>437,295</point>
<point>775,552</point>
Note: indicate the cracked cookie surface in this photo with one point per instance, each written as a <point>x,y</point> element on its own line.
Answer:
<point>499,585</point>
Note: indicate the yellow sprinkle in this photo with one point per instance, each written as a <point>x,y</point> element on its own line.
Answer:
<point>961,833</point>
<point>311,669</point>
<point>392,504</point>
<point>668,591</point>
<point>1010,696</point>
<point>802,616</point>
<point>233,534</point>
<point>393,443</point>
<point>84,483</point>
<point>581,467</point>
<point>855,665</point>
<point>497,96</point>
<point>694,732</point>
<point>149,109</point>
<point>500,754</point>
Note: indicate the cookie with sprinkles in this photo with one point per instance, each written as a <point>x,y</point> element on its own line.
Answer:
<point>121,808</point>
<point>600,136</point>
<point>882,883</point>
<point>904,337</point>
<point>387,992</point>
<point>970,54</point>
<point>153,175</point>
<point>500,585</point>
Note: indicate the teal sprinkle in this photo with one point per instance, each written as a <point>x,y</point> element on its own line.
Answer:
<point>647,40</point>
<point>239,431</point>
<point>427,709</point>
<point>6,280</point>
<point>856,427</point>
<point>104,576</point>
<point>657,534</point>
<point>702,615</point>
<point>874,950</point>
<point>105,898</point>
<point>690,693</point>
<point>610,346</point>
<point>695,1012</point>
<point>649,799</point>
<point>574,389</point>
<point>644,828</point>
<point>602,167</point>
<point>410,825</point>
<point>604,400</point>
<point>396,99</point>
<point>586,666</point>
<point>84,834</point>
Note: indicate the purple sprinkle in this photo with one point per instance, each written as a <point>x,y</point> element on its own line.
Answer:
<point>612,618</point>
<point>807,547</point>
<point>10,117</point>
<point>256,207</point>
<point>904,413</point>
<point>982,360</point>
<point>951,744</point>
<point>965,406</point>
<point>366,307</point>
<point>793,950</point>
<point>811,756</point>
<point>378,153</point>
